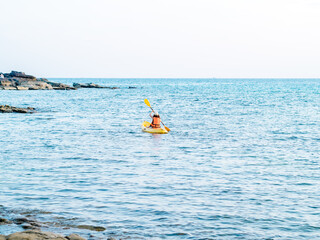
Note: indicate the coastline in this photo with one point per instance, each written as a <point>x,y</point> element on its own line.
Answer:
<point>20,81</point>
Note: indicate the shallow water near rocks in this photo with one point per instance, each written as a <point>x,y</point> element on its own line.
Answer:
<point>241,160</point>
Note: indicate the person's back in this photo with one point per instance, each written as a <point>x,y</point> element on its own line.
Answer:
<point>155,120</point>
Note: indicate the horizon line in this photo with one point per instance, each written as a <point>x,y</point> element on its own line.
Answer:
<point>186,77</point>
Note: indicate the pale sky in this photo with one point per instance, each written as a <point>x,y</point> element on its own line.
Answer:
<point>165,39</point>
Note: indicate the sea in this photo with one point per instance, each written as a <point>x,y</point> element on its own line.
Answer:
<point>242,159</point>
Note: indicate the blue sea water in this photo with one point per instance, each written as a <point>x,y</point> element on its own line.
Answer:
<point>241,161</point>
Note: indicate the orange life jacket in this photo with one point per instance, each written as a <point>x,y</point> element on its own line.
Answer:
<point>155,122</point>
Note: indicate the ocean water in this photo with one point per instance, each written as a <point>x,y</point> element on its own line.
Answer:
<point>242,160</point>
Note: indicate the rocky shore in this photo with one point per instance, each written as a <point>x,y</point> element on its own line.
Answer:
<point>39,235</point>
<point>32,230</point>
<point>21,81</point>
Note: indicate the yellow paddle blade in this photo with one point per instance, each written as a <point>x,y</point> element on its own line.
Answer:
<point>147,102</point>
<point>168,129</point>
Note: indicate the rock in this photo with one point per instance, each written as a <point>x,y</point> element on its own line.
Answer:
<point>36,85</point>
<point>20,220</point>
<point>74,237</point>
<point>42,79</point>
<point>27,223</point>
<point>10,109</point>
<point>4,221</point>
<point>5,109</point>
<point>20,75</point>
<point>92,228</point>
<point>87,85</point>
<point>111,238</point>
<point>35,235</point>
<point>20,81</point>
<point>29,226</point>
<point>39,235</point>
<point>132,87</point>
<point>22,88</point>
<point>6,83</point>
<point>60,86</point>
<point>20,110</point>
<point>64,88</point>
<point>9,88</point>
<point>90,85</point>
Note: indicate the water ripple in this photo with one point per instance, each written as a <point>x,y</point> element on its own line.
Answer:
<point>241,161</point>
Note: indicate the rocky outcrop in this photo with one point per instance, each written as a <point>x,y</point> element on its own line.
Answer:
<point>10,109</point>
<point>21,81</point>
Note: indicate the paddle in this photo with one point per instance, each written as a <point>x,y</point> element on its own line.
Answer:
<point>148,104</point>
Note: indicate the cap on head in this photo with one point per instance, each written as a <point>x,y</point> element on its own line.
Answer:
<point>156,114</point>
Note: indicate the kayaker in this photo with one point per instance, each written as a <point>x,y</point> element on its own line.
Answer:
<point>155,120</point>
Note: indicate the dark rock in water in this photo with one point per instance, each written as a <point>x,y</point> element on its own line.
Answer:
<point>20,220</point>
<point>60,86</point>
<point>88,85</point>
<point>92,228</point>
<point>10,109</point>
<point>27,223</point>
<point>132,87</point>
<point>28,226</point>
<point>4,221</point>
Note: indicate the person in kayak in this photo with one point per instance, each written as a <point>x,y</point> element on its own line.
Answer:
<point>155,120</point>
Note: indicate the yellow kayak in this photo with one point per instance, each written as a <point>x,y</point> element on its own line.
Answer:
<point>145,126</point>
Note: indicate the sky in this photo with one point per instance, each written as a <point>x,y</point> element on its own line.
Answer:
<point>161,39</point>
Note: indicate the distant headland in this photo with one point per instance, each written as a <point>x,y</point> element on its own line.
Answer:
<point>20,81</point>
